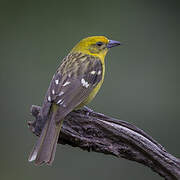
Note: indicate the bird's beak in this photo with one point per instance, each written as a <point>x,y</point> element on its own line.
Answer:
<point>113,43</point>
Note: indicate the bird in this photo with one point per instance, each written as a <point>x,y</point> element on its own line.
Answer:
<point>74,84</point>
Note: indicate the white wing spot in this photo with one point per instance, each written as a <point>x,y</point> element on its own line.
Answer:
<point>59,102</point>
<point>61,93</point>
<point>49,98</point>
<point>66,83</point>
<point>93,72</point>
<point>84,83</point>
<point>57,81</point>
<point>53,92</point>
<point>99,72</point>
<point>62,103</point>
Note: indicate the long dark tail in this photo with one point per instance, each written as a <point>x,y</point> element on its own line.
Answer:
<point>45,148</point>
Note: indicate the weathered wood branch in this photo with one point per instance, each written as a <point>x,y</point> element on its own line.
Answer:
<point>93,131</point>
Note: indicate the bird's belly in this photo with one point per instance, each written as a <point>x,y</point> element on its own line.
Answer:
<point>91,95</point>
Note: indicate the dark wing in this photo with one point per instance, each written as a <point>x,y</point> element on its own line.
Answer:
<point>73,82</point>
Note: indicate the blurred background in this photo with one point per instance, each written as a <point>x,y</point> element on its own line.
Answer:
<point>141,83</point>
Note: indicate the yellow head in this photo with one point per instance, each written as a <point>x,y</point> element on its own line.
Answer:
<point>95,45</point>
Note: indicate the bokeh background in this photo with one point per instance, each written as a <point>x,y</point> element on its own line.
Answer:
<point>141,83</point>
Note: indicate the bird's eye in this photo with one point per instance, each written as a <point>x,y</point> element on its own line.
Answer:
<point>99,43</point>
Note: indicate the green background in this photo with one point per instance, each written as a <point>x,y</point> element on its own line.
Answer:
<point>141,83</point>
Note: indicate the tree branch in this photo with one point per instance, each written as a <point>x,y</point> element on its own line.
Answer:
<point>93,131</point>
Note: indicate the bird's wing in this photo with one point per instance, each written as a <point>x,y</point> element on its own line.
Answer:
<point>73,82</point>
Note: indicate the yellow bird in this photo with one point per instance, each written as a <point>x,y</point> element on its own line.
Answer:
<point>75,83</point>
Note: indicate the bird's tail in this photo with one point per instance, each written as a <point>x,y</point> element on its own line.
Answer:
<point>45,148</point>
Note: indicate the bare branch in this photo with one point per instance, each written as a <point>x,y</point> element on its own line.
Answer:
<point>97,132</point>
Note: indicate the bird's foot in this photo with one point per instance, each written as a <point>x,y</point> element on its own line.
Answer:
<point>87,110</point>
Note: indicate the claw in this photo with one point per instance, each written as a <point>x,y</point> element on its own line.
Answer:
<point>88,110</point>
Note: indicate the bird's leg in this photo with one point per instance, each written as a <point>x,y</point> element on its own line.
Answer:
<point>88,110</point>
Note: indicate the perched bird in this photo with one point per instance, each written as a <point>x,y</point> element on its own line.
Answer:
<point>75,83</point>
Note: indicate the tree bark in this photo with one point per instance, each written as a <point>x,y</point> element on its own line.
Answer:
<point>97,132</point>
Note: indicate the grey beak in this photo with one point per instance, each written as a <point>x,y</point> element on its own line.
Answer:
<point>113,43</point>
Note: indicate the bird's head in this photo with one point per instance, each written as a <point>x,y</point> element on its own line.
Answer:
<point>95,45</point>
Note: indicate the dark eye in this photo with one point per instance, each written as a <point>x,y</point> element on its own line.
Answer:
<point>99,43</point>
